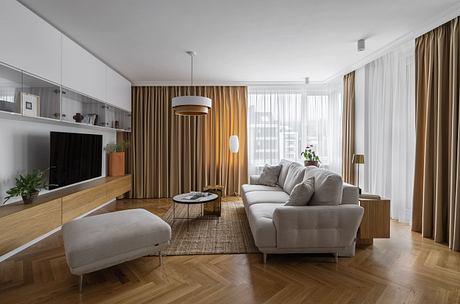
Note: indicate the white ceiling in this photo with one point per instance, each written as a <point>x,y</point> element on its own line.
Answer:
<point>236,40</point>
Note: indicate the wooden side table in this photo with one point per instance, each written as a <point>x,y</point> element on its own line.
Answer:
<point>375,222</point>
<point>214,208</point>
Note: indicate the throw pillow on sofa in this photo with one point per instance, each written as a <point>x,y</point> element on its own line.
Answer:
<point>328,187</point>
<point>302,193</point>
<point>295,176</point>
<point>269,176</point>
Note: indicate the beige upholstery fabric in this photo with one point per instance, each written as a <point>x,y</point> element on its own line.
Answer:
<point>250,188</point>
<point>298,229</point>
<point>261,223</point>
<point>317,226</point>
<point>295,176</point>
<point>100,241</point>
<point>269,197</point>
<point>328,187</point>
<point>350,194</point>
<point>269,175</point>
<point>302,193</point>
<point>284,171</point>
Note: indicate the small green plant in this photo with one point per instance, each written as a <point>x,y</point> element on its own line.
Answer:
<point>119,147</point>
<point>28,186</point>
<point>309,154</point>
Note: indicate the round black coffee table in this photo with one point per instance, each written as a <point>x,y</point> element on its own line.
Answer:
<point>192,198</point>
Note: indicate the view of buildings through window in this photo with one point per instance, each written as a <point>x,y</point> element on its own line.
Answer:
<point>281,123</point>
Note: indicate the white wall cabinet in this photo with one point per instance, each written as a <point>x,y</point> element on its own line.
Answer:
<point>28,42</point>
<point>81,71</point>
<point>118,90</point>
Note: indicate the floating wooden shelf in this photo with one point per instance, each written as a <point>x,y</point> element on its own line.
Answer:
<point>20,223</point>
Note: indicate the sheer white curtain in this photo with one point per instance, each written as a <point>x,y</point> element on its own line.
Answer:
<point>283,120</point>
<point>390,129</point>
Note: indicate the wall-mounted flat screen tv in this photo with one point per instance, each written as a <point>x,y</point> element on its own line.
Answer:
<point>74,157</point>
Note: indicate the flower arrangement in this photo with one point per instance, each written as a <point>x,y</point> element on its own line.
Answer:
<point>309,154</point>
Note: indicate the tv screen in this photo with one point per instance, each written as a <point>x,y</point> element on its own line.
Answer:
<point>74,157</point>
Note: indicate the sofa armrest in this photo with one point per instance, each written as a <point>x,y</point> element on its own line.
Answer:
<point>316,226</point>
<point>254,179</point>
<point>350,194</point>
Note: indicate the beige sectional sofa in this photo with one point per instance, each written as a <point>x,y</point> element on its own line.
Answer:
<point>328,224</point>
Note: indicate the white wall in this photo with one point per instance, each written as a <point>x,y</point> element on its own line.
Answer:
<point>24,145</point>
<point>360,101</point>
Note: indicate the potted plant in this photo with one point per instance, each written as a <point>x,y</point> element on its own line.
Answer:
<point>311,159</point>
<point>28,186</point>
<point>116,156</point>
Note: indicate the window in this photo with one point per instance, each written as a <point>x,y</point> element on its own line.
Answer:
<point>282,121</point>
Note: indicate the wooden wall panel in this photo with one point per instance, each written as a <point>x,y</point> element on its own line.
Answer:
<point>18,228</point>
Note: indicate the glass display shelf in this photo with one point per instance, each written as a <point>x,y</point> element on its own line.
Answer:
<point>26,97</point>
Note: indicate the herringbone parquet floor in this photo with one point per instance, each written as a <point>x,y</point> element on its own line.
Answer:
<point>403,269</point>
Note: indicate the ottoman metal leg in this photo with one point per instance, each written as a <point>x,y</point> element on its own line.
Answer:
<point>80,287</point>
<point>161,258</point>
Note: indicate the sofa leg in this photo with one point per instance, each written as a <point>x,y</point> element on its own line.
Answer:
<point>336,256</point>
<point>265,258</point>
<point>80,286</point>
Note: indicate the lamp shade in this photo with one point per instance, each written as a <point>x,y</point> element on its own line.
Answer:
<point>234,144</point>
<point>358,159</point>
<point>191,105</point>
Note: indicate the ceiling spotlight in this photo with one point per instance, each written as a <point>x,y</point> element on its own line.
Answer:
<point>361,45</point>
<point>307,80</point>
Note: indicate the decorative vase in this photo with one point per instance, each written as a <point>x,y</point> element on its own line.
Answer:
<point>29,199</point>
<point>78,117</point>
<point>310,163</point>
<point>117,164</point>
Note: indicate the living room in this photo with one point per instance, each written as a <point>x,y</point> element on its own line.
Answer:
<point>229,151</point>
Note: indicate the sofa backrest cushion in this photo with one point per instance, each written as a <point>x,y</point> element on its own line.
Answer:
<point>269,176</point>
<point>350,194</point>
<point>328,186</point>
<point>302,193</point>
<point>284,171</point>
<point>295,176</point>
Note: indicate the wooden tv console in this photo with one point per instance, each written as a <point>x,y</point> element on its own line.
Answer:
<point>20,223</point>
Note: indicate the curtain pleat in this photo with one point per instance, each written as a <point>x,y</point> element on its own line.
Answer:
<point>348,128</point>
<point>174,154</point>
<point>436,207</point>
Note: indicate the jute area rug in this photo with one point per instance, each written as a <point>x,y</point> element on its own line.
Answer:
<point>208,235</point>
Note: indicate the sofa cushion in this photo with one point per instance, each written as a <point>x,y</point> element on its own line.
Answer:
<point>250,188</point>
<point>328,187</point>
<point>295,176</point>
<point>269,175</point>
<point>260,217</point>
<point>270,197</point>
<point>350,194</point>
<point>284,171</point>
<point>302,193</point>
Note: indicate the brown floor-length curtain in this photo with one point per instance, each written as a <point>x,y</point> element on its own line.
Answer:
<point>174,154</point>
<point>436,206</point>
<point>348,128</point>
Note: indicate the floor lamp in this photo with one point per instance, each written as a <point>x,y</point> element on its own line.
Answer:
<point>358,159</point>
<point>234,145</point>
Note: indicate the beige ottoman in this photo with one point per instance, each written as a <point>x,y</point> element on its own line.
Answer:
<point>100,241</point>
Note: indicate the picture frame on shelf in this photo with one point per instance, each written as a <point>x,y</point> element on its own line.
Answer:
<point>30,105</point>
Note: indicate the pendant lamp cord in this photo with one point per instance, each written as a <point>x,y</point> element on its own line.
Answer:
<point>191,69</point>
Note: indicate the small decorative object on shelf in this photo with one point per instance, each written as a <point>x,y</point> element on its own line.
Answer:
<point>116,153</point>
<point>30,105</point>
<point>78,117</point>
<point>311,159</point>
<point>28,186</point>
